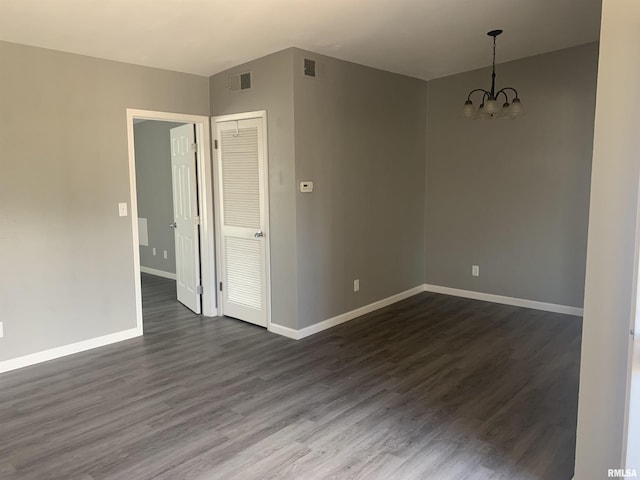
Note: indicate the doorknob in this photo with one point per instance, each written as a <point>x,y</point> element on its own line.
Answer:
<point>173,225</point>
<point>259,234</point>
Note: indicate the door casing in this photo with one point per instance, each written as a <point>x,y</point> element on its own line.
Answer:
<point>205,199</point>
<point>631,434</point>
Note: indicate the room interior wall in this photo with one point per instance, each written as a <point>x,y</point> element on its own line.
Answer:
<point>155,192</point>
<point>512,196</point>
<point>360,137</point>
<point>68,271</point>
<point>272,90</point>
<point>612,248</point>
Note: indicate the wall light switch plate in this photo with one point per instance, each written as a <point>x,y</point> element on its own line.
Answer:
<point>306,186</point>
<point>122,209</point>
<point>475,270</point>
<point>165,254</point>
<point>1,329</point>
<point>356,285</point>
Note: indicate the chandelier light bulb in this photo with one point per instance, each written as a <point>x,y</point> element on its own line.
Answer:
<point>469,110</point>
<point>482,113</point>
<point>504,111</point>
<point>491,106</point>
<point>516,109</point>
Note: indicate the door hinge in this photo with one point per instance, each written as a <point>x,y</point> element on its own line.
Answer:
<point>196,220</point>
<point>220,286</point>
<point>199,290</point>
<point>194,147</point>
<point>215,144</point>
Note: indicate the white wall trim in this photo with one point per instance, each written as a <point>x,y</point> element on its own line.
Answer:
<point>358,312</point>
<point>345,317</point>
<point>284,331</point>
<point>158,273</point>
<point>63,351</point>
<point>516,302</point>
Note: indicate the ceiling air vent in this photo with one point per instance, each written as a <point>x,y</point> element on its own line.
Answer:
<point>240,81</point>
<point>309,67</point>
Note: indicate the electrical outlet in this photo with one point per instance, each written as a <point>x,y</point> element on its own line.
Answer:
<point>154,251</point>
<point>306,187</point>
<point>475,270</point>
<point>165,254</point>
<point>356,285</point>
<point>1,329</point>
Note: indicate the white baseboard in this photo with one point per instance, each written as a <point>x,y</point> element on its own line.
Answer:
<point>516,302</point>
<point>39,357</point>
<point>158,273</point>
<point>284,331</point>
<point>345,317</point>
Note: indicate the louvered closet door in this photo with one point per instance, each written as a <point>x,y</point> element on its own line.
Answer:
<point>241,165</point>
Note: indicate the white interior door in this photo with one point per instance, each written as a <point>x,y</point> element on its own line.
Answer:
<point>243,212</point>
<point>185,216</point>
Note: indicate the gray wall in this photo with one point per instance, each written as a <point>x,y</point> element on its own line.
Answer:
<point>513,196</point>
<point>612,252</point>
<point>272,90</point>
<point>155,192</point>
<point>365,217</point>
<point>67,257</point>
<point>360,137</point>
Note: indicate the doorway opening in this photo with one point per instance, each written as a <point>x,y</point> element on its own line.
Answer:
<point>172,206</point>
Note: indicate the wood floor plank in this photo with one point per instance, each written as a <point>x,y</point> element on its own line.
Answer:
<point>433,387</point>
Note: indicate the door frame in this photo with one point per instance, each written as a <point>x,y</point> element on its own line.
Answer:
<point>262,115</point>
<point>631,433</point>
<point>205,205</point>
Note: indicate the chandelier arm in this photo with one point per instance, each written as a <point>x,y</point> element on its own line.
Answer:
<point>509,88</point>
<point>477,90</point>
<point>502,91</point>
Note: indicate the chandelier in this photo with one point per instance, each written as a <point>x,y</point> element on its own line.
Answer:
<point>489,107</point>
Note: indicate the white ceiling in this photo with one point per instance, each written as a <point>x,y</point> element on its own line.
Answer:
<point>421,38</point>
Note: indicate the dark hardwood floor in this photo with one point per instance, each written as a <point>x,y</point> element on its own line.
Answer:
<point>433,387</point>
